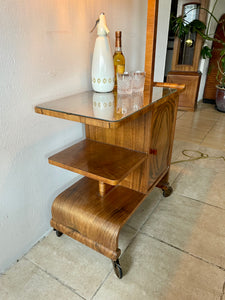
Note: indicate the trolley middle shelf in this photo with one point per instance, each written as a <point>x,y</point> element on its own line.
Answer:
<point>103,162</point>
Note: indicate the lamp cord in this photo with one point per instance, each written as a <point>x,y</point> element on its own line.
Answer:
<point>201,155</point>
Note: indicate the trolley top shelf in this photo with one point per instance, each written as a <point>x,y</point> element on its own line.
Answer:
<point>107,110</point>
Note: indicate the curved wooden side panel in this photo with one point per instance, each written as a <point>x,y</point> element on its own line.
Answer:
<point>86,241</point>
<point>96,221</point>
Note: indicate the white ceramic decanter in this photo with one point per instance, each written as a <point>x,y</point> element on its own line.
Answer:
<point>102,62</point>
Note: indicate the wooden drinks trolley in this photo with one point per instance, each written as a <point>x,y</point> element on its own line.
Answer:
<point>122,158</point>
<point>126,153</point>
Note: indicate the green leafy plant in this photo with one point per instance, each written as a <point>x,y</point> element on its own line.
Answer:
<point>181,28</point>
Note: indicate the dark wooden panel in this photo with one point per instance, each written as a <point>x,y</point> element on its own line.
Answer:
<point>211,82</point>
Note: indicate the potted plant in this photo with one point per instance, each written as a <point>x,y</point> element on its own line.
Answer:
<point>183,30</point>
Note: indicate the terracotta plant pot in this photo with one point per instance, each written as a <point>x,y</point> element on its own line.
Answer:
<point>220,98</point>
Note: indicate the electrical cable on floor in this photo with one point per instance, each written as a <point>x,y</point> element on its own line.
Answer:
<point>201,155</point>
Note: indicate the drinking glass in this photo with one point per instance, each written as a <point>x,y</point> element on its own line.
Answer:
<point>124,83</point>
<point>138,82</point>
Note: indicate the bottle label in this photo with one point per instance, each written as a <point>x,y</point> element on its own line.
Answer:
<point>120,69</point>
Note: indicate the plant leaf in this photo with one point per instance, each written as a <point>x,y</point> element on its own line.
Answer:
<point>206,52</point>
<point>179,27</point>
<point>197,26</point>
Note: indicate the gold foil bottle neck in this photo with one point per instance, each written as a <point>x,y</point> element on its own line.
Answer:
<point>118,33</point>
<point>118,39</point>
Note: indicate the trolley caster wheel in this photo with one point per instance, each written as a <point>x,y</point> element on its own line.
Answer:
<point>117,268</point>
<point>58,233</point>
<point>167,191</point>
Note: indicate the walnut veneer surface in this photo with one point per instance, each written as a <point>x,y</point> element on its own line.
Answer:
<point>90,158</point>
<point>93,220</point>
<point>126,153</point>
<point>188,99</point>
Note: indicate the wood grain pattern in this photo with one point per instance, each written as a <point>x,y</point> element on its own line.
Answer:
<point>95,221</point>
<point>76,118</point>
<point>179,86</point>
<point>188,99</point>
<point>161,137</point>
<point>141,135</point>
<point>102,189</point>
<point>152,17</point>
<point>134,135</point>
<point>99,161</point>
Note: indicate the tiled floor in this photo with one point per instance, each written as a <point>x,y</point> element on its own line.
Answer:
<point>172,248</point>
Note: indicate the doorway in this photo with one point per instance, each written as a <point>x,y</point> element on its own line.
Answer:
<point>170,42</point>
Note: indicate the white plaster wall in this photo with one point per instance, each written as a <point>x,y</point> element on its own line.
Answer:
<point>203,65</point>
<point>45,53</point>
<point>162,38</point>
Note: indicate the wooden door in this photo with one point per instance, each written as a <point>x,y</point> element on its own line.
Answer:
<point>162,134</point>
<point>210,85</point>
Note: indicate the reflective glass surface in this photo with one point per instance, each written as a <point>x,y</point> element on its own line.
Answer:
<point>109,107</point>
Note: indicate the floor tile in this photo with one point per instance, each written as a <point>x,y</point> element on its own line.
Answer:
<point>223,291</point>
<point>216,134</point>
<point>180,113</point>
<point>215,159</point>
<point>145,209</point>
<point>215,139</point>
<point>178,158</point>
<point>221,119</point>
<point>190,130</point>
<point>179,146</point>
<point>25,281</point>
<point>74,264</point>
<point>156,271</point>
<point>125,236</point>
<point>175,170</point>
<point>213,144</point>
<point>196,123</point>
<point>219,126</point>
<point>202,183</point>
<point>188,134</point>
<point>206,112</point>
<point>190,225</point>
<point>191,219</point>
